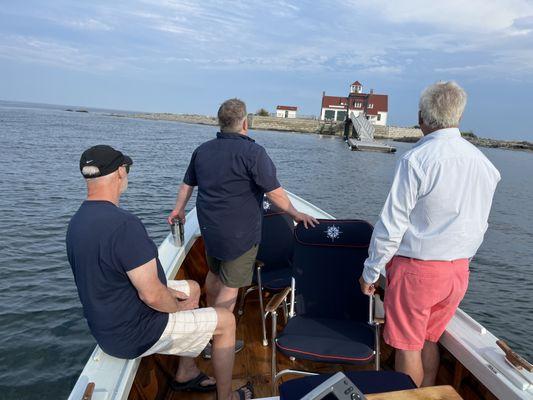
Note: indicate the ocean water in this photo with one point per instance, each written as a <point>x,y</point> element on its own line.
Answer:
<point>44,340</point>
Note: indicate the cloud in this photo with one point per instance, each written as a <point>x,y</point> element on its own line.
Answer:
<point>302,59</point>
<point>452,15</point>
<point>401,37</point>
<point>463,69</point>
<point>31,49</point>
<point>89,24</point>
<point>383,70</point>
<point>515,66</point>
<point>477,39</point>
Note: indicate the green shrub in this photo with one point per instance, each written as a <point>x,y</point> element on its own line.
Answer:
<point>468,134</point>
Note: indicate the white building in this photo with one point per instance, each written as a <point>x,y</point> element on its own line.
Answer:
<point>286,111</point>
<point>374,106</point>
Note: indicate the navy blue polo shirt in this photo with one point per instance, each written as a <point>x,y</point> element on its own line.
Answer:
<point>104,242</point>
<point>232,173</point>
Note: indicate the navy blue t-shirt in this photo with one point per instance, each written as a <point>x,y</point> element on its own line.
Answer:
<point>103,243</point>
<point>232,173</point>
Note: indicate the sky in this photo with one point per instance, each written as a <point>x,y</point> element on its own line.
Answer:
<point>189,56</point>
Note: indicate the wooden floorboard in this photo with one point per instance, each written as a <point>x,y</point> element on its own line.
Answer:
<point>253,362</point>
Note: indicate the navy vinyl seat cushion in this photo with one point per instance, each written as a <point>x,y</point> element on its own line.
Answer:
<point>275,249</point>
<point>327,340</point>
<point>275,279</point>
<point>367,381</point>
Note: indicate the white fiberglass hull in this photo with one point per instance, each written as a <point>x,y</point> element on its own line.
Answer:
<point>464,338</point>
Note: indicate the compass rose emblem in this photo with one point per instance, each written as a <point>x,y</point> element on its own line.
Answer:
<point>333,232</point>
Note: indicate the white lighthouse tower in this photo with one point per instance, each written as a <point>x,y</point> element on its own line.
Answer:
<point>356,87</point>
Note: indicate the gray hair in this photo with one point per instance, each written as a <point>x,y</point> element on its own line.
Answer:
<point>231,115</point>
<point>442,105</point>
<point>90,171</point>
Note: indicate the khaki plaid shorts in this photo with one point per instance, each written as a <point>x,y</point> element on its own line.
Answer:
<point>187,332</point>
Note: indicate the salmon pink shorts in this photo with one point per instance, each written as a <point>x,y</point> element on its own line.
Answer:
<point>421,298</point>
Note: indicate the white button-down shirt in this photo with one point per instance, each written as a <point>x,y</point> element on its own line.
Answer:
<point>438,205</point>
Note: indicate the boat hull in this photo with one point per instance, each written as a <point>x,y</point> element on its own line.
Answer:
<point>463,346</point>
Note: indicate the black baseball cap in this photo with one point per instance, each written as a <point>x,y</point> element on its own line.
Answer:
<point>105,158</point>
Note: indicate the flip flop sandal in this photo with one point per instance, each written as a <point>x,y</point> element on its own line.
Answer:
<point>242,393</point>
<point>194,385</point>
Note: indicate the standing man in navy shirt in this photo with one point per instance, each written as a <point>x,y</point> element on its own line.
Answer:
<point>131,308</point>
<point>232,173</point>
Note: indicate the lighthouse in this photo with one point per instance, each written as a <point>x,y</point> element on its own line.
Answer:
<point>356,87</point>
<point>373,106</point>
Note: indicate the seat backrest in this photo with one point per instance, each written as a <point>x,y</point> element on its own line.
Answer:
<point>277,239</point>
<point>327,263</point>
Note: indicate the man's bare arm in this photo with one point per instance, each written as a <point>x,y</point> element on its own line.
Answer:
<point>184,194</point>
<point>282,201</point>
<point>152,292</point>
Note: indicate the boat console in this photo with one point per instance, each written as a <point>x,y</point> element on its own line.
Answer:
<point>338,387</point>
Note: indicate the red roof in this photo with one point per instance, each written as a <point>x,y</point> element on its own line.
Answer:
<point>380,102</point>
<point>357,83</point>
<point>288,108</point>
<point>328,101</point>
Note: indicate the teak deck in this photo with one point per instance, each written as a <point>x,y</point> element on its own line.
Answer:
<point>253,362</point>
<point>427,393</point>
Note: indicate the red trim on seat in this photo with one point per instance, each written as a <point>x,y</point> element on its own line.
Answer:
<point>324,356</point>
<point>356,246</point>
<point>274,213</point>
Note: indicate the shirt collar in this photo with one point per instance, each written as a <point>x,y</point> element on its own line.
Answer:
<point>91,202</point>
<point>233,135</point>
<point>446,133</point>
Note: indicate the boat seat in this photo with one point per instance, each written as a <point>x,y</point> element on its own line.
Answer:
<point>273,269</point>
<point>275,279</point>
<point>276,247</point>
<point>367,381</point>
<point>331,320</point>
<point>327,340</point>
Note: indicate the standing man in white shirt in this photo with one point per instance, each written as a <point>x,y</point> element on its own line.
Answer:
<point>432,223</point>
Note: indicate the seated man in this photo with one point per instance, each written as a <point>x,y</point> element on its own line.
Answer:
<point>131,309</point>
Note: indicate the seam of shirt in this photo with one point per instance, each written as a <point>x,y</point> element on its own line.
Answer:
<point>414,164</point>
<point>234,135</point>
<point>254,159</point>
<point>122,224</point>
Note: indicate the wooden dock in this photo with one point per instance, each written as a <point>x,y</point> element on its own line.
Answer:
<point>364,145</point>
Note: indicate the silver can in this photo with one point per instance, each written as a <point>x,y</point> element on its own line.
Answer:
<point>178,232</point>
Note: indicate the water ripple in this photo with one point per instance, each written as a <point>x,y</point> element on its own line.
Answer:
<point>44,340</point>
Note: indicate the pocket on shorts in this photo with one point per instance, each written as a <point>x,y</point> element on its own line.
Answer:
<point>425,288</point>
<point>461,282</point>
<point>391,270</point>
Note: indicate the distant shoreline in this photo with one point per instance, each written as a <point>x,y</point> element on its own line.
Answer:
<point>485,142</point>
<point>212,121</point>
<point>186,118</point>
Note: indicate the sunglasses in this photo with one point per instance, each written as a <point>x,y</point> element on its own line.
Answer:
<point>127,167</point>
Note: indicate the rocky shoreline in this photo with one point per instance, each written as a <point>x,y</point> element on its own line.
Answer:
<point>208,120</point>
<point>186,118</point>
<point>485,142</point>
